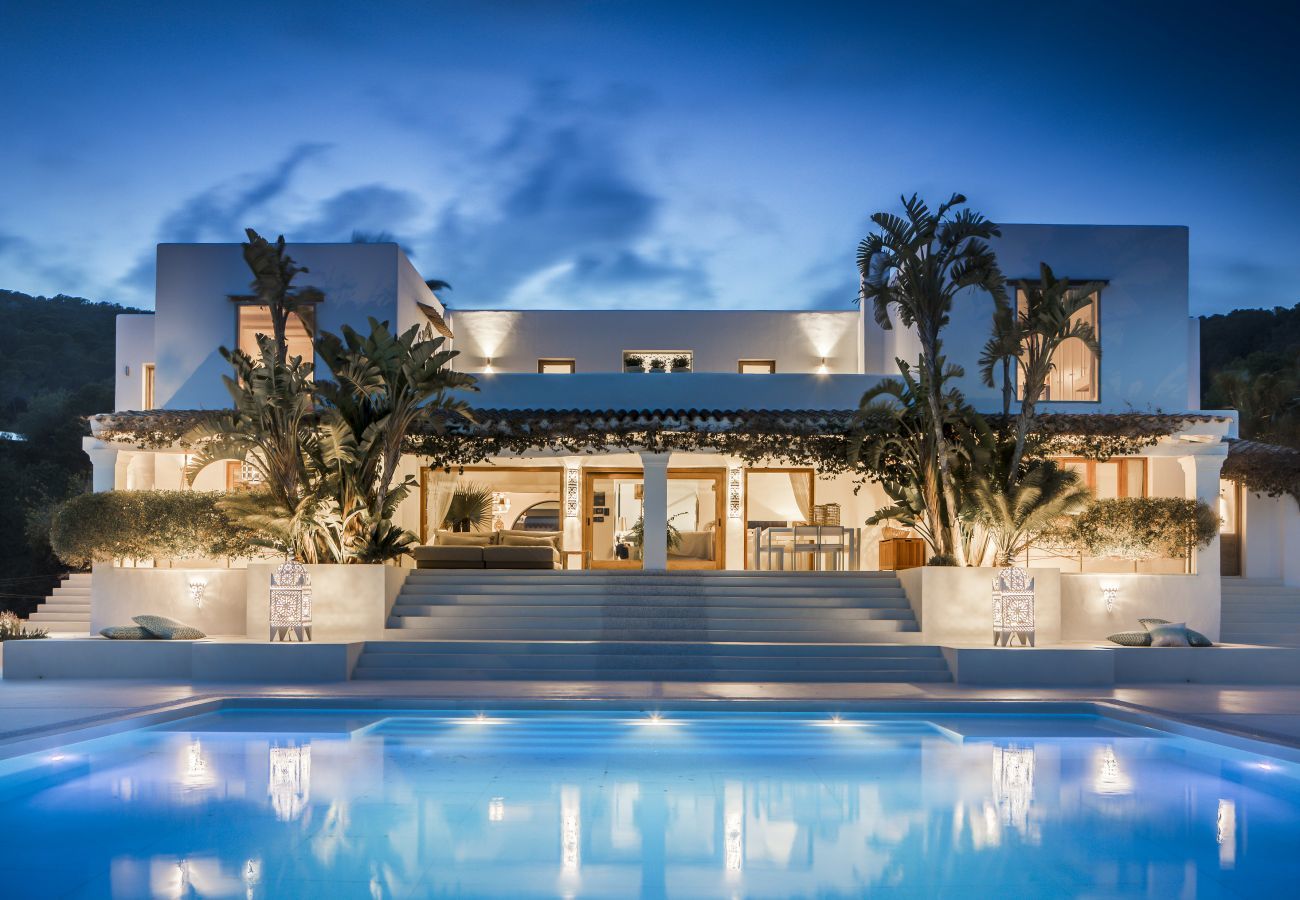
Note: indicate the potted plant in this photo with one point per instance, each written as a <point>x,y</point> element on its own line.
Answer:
<point>633,364</point>
<point>657,365</point>
<point>681,363</point>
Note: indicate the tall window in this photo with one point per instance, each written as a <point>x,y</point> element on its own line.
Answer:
<point>254,319</point>
<point>146,398</point>
<point>1076,369</point>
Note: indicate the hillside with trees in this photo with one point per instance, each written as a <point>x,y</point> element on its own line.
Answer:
<point>1250,361</point>
<point>56,368</point>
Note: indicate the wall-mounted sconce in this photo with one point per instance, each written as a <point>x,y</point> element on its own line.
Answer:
<point>487,366</point>
<point>1109,594</point>
<point>572,492</point>
<point>126,370</point>
<point>198,586</point>
<point>735,492</point>
<point>821,369</point>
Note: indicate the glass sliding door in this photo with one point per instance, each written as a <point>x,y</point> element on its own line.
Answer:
<point>696,535</point>
<point>612,519</point>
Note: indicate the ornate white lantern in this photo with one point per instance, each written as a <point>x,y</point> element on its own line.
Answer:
<point>290,602</point>
<point>1013,607</point>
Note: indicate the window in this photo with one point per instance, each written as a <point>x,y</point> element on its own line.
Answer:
<point>146,394</point>
<point>756,367</point>
<point>1075,367</point>
<point>556,367</point>
<point>241,476</point>
<point>658,360</point>
<point>253,319</point>
<point>1113,478</point>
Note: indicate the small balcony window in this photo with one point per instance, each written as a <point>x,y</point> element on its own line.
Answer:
<point>756,367</point>
<point>658,360</point>
<point>147,377</point>
<point>556,367</point>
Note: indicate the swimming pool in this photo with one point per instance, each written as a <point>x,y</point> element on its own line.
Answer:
<point>342,803</point>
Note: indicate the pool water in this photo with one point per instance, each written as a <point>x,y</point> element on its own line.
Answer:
<point>624,804</point>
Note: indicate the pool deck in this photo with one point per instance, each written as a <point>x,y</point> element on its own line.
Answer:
<point>37,712</point>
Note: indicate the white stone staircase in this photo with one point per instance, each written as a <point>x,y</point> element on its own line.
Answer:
<point>1257,611</point>
<point>67,609</point>
<point>712,626</point>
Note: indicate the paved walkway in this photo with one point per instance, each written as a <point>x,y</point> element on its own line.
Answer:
<point>31,709</point>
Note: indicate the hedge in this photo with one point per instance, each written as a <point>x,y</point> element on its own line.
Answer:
<point>1139,528</point>
<point>138,525</point>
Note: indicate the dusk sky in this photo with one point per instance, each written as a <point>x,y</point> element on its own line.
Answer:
<point>640,154</point>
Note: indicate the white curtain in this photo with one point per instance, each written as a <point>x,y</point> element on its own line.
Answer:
<point>442,487</point>
<point>801,485</point>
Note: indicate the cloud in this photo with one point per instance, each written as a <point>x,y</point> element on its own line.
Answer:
<point>560,218</point>
<point>371,209</point>
<point>221,212</point>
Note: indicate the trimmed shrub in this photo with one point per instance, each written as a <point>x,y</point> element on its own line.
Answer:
<point>13,628</point>
<point>1139,528</point>
<point>136,525</point>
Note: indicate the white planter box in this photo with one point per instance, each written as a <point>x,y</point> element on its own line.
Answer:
<point>955,605</point>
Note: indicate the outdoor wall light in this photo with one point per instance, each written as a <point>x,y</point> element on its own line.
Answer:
<point>487,366</point>
<point>1109,594</point>
<point>197,586</point>
<point>735,492</point>
<point>1013,607</point>
<point>821,369</point>
<point>290,607</point>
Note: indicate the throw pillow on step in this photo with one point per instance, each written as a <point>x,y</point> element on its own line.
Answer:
<point>1194,638</point>
<point>1169,635</point>
<point>167,629</point>
<point>126,633</point>
<point>1131,639</point>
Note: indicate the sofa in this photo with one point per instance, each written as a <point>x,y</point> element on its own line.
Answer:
<point>505,549</point>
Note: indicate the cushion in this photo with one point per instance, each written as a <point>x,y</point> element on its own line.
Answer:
<point>1171,635</point>
<point>519,557</point>
<point>126,633</point>
<point>1194,638</point>
<point>553,536</point>
<point>441,557</point>
<point>1131,639</point>
<point>526,540</point>
<point>463,538</point>
<point>167,629</point>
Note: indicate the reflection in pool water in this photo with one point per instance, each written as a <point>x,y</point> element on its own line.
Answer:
<point>261,804</point>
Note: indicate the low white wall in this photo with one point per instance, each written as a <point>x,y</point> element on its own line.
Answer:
<point>348,603</point>
<point>1179,598</point>
<point>183,661</point>
<point>117,594</point>
<point>955,605</point>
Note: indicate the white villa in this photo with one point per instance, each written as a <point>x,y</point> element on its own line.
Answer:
<point>661,399</point>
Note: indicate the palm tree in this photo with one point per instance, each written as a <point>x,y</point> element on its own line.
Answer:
<point>1014,516</point>
<point>1025,340</point>
<point>273,274</point>
<point>916,264</point>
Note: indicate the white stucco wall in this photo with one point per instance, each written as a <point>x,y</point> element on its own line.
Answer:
<point>596,339</point>
<point>1176,598</point>
<point>134,346</point>
<point>349,603</point>
<point>1145,330</point>
<point>117,594</point>
<point>194,316</point>
<point>955,605</point>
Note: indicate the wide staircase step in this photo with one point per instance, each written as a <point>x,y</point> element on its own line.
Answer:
<point>1260,612</point>
<point>712,626</point>
<point>67,609</point>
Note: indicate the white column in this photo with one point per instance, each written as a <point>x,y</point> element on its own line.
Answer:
<point>571,510</point>
<point>1201,473</point>
<point>140,471</point>
<point>654,510</point>
<point>103,464</point>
